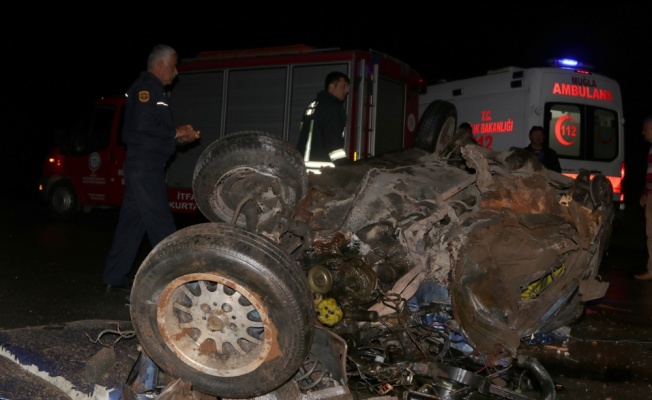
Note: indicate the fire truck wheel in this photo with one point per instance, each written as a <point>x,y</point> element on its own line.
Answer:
<point>245,173</point>
<point>225,309</point>
<point>437,126</point>
<point>63,203</point>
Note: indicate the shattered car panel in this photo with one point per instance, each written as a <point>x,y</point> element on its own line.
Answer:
<point>493,237</point>
<point>410,256</point>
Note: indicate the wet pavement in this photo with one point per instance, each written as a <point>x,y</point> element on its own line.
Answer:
<point>608,354</point>
<point>89,359</point>
<point>51,278</point>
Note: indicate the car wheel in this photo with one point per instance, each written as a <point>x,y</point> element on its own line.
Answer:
<point>437,126</point>
<point>63,203</point>
<point>602,192</point>
<point>223,308</point>
<point>248,165</point>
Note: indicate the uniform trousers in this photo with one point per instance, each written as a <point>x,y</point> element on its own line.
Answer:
<point>145,210</point>
<point>648,230</point>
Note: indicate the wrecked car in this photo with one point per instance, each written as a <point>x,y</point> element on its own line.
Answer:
<point>415,274</point>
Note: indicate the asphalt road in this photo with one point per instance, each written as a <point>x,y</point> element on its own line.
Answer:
<point>52,270</point>
<point>51,275</point>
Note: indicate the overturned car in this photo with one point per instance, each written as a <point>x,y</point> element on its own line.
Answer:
<point>416,274</point>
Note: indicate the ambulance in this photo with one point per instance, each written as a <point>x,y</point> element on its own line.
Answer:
<point>223,92</point>
<point>581,112</point>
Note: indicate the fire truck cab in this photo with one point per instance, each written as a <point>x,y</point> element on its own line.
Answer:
<point>223,92</point>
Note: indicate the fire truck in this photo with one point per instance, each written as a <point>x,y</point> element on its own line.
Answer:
<point>223,92</point>
<point>581,112</point>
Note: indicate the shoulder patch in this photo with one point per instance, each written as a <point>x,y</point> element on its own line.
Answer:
<point>143,96</point>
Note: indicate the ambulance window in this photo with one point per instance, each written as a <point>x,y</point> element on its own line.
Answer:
<point>605,134</point>
<point>564,130</point>
<point>582,132</point>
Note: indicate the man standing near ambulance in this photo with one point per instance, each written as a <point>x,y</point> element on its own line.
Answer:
<point>547,156</point>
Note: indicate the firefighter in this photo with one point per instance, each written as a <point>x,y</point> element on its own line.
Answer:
<point>151,139</point>
<point>321,141</point>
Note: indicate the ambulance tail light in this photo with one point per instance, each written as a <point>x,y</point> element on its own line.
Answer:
<point>622,178</point>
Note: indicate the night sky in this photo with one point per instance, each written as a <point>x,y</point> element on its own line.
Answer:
<point>58,58</point>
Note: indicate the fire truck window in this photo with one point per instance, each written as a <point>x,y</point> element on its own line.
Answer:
<point>197,99</point>
<point>79,134</point>
<point>256,100</point>
<point>390,115</point>
<point>93,133</point>
<point>120,126</point>
<point>307,81</point>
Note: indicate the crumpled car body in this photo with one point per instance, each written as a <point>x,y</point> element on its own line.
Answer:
<point>493,238</point>
<point>488,246</point>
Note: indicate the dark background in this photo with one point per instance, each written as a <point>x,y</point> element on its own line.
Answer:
<point>58,58</point>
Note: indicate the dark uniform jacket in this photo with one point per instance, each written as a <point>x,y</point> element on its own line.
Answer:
<point>148,129</point>
<point>321,140</point>
<point>547,157</point>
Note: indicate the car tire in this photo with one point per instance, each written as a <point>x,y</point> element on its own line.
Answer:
<point>62,199</point>
<point>436,127</point>
<point>225,309</point>
<point>238,165</point>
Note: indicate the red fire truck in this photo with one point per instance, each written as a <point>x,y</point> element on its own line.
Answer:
<point>222,92</point>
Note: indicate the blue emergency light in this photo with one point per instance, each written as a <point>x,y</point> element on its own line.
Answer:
<point>569,63</point>
<point>566,62</point>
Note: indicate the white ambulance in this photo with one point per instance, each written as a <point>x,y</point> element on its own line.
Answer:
<point>581,111</point>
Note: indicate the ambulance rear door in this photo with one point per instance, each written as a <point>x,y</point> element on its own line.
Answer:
<point>584,121</point>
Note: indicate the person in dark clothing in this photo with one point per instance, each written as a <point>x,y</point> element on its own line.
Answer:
<point>546,155</point>
<point>466,129</point>
<point>151,139</point>
<point>321,141</point>
<point>646,199</point>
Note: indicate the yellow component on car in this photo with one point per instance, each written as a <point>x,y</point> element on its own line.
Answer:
<point>535,288</point>
<point>329,311</point>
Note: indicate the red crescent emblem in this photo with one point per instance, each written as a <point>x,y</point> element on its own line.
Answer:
<point>558,130</point>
